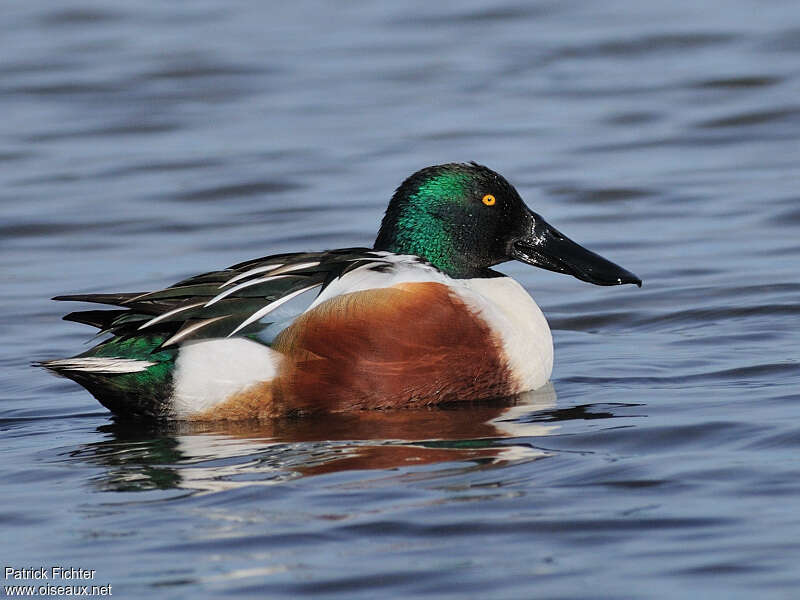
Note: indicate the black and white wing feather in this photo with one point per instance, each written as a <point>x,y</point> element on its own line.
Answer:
<point>234,301</point>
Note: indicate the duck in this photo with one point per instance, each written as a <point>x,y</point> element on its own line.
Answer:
<point>419,319</point>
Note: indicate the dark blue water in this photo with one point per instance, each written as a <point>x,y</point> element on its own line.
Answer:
<point>142,143</point>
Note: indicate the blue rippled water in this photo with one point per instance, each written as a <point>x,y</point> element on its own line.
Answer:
<point>142,143</point>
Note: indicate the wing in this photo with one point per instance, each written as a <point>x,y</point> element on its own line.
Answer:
<point>235,301</point>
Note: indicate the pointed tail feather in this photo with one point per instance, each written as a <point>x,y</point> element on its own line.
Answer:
<point>101,319</point>
<point>112,299</point>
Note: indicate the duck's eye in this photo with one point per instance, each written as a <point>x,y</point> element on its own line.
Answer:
<point>488,200</point>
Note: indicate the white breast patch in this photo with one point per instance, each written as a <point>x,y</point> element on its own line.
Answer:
<point>512,314</point>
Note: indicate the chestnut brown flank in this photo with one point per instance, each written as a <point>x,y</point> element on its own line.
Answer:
<point>406,346</point>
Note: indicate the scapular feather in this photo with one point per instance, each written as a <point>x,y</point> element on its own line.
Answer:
<point>192,317</point>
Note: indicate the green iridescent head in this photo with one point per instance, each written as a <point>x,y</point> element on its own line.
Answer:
<point>465,218</point>
<point>439,214</point>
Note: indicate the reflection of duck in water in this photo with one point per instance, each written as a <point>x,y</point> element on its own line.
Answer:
<point>419,319</point>
<point>219,456</point>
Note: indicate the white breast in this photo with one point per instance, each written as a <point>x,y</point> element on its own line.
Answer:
<point>513,315</point>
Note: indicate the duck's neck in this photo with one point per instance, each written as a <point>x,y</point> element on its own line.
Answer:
<point>424,238</point>
<point>416,222</point>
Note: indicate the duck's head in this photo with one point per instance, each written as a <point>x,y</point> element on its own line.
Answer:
<point>465,218</point>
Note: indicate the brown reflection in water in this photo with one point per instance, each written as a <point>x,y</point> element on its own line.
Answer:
<point>260,452</point>
<point>452,423</point>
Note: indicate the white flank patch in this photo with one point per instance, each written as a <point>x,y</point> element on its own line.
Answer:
<point>208,372</point>
<point>97,364</point>
<point>512,314</point>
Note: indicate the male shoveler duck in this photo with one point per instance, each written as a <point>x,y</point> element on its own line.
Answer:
<point>419,319</point>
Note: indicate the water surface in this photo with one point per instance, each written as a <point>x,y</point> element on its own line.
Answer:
<point>142,144</point>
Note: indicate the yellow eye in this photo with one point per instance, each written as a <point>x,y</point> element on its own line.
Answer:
<point>488,200</point>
